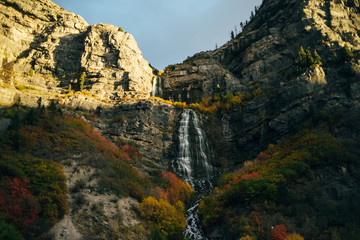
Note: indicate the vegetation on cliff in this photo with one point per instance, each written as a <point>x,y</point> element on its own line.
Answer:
<point>294,186</point>
<point>33,188</point>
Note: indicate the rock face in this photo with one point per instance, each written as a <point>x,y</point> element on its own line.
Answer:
<point>40,38</point>
<point>264,58</point>
<point>151,126</point>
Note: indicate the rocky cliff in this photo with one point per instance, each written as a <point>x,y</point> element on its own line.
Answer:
<point>294,60</point>
<point>47,48</point>
<point>262,61</point>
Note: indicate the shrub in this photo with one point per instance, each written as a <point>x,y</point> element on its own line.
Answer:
<point>347,55</point>
<point>31,72</point>
<point>8,231</point>
<point>294,236</point>
<point>306,59</point>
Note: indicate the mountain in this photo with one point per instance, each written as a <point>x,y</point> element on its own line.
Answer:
<point>277,107</point>
<point>262,64</point>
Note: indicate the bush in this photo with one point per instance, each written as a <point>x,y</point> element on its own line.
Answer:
<point>165,216</point>
<point>294,236</point>
<point>31,72</point>
<point>346,53</point>
<point>8,231</point>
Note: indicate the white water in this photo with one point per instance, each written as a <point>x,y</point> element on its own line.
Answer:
<point>194,164</point>
<point>157,90</point>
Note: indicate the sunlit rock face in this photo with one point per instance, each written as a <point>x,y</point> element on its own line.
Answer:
<point>56,46</point>
<point>261,62</point>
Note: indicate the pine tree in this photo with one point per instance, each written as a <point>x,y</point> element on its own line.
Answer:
<point>82,80</point>
<point>232,35</point>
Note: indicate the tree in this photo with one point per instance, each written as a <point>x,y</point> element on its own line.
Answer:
<point>31,117</point>
<point>317,58</point>
<point>165,216</point>
<point>52,106</point>
<point>82,80</point>
<point>242,26</point>
<point>294,236</point>
<point>347,54</point>
<point>232,35</point>
<point>279,232</point>
<point>39,102</point>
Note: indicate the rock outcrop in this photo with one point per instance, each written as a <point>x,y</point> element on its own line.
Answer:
<point>39,39</point>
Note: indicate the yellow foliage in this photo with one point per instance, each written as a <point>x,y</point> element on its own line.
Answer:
<point>181,105</point>
<point>247,237</point>
<point>294,236</point>
<point>168,218</point>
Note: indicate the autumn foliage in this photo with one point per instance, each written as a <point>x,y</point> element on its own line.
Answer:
<point>167,217</point>
<point>17,202</point>
<point>279,232</point>
<point>174,189</point>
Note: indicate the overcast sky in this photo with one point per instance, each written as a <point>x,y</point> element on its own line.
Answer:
<point>168,31</point>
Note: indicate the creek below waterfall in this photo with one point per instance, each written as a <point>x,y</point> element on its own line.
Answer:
<point>194,163</point>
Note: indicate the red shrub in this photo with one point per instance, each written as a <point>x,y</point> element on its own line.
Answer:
<point>279,232</point>
<point>17,202</point>
<point>263,156</point>
<point>243,177</point>
<point>251,175</point>
<point>131,151</point>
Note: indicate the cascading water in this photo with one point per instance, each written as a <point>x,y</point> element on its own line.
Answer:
<point>157,90</point>
<point>194,164</point>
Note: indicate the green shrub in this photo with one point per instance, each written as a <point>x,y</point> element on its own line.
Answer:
<point>31,72</point>
<point>346,53</point>
<point>82,80</point>
<point>8,231</point>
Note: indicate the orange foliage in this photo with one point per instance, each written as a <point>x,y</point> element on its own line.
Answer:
<point>279,232</point>
<point>131,151</point>
<point>175,189</point>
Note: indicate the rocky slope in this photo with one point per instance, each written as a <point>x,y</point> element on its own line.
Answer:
<point>263,58</point>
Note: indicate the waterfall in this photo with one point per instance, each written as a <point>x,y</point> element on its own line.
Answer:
<point>193,162</point>
<point>157,90</point>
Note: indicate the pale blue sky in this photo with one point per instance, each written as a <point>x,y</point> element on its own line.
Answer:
<point>168,31</point>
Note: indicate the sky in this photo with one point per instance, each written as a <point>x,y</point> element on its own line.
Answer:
<point>168,31</point>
